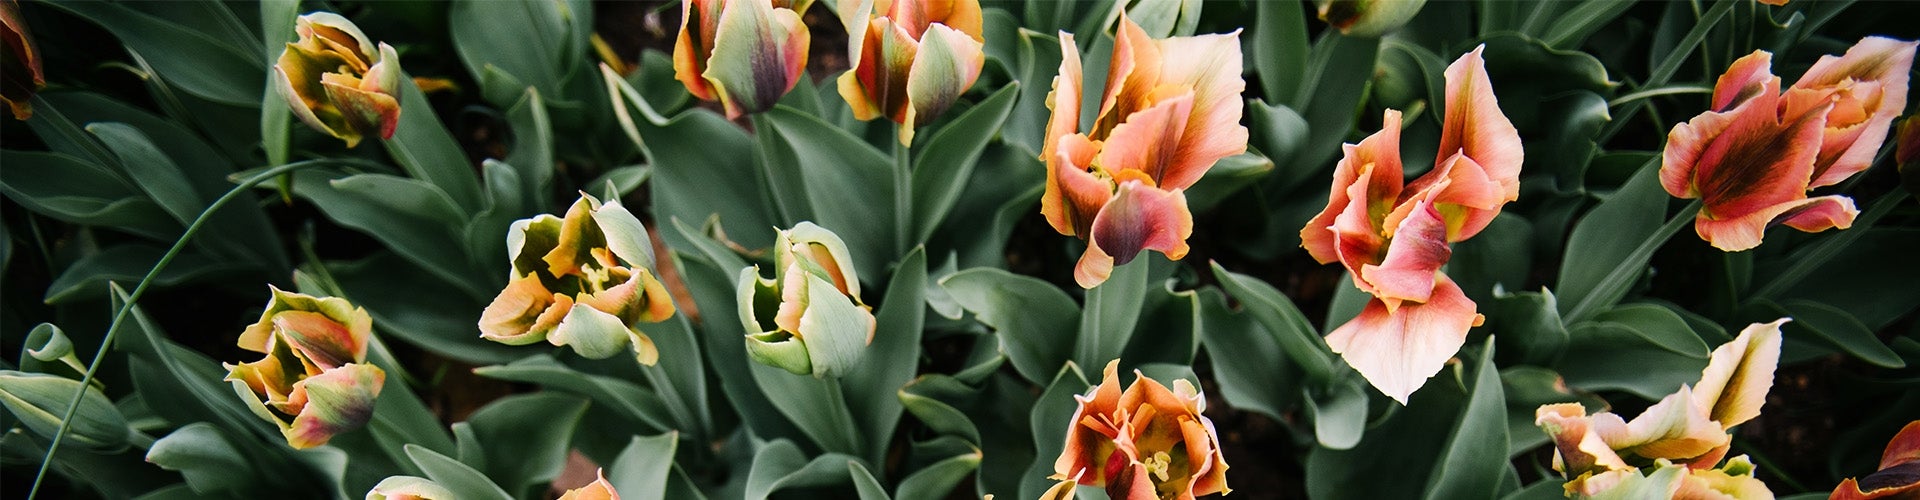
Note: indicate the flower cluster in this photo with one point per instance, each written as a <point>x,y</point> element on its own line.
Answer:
<point>315,370</point>
<point>1170,110</point>
<point>1394,238</point>
<point>808,319</point>
<point>1686,429</point>
<point>1752,158</point>
<point>582,281</point>
<point>1144,443</point>
<point>337,81</point>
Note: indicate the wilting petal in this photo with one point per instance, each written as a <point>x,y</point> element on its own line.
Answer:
<point>1140,217</point>
<point>1210,65</point>
<point>1672,429</point>
<point>1809,214</point>
<point>1577,450</point>
<point>1375,161</point>
<point>758,55</point>
<point>1064,101</point>
<point>948,63</point>
<point>337,401</point>
<point>1748,77</point>
<point>1074,195</point>
<point>699,22</point>
<point>21,75</point>
<point>511,317</point>
<point>1414,257</point>
<point>1474,126</point>
<point>1148,140</point>
<point>1734,385</point>
<point>599,489</point>
<point>1398,351</point>
<point>409,488</point>
<point>592,333</point>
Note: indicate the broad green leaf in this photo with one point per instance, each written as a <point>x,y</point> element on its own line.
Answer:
<point>525,437</point>
<point>411,216</point>
<point>166,183</point>
<point>194,61</point>
<point>930,399</point>
<point>1004,190</point>
<point>681,378</point>
<point>532,43</point>
<point>1839,329</point>
<point>864,483</point>
<point>1032,319</point>
<point>623,397</point>
<point>945,162</point>
<point>203,455</point>
<point>532,152</point>
<point>779,465</point>
<point>1111,311</point>
<point>1527,326</point>
<point>1338,68</point>
<point>1642,349</point>
<point>86,279</point>
<point>1500,257</point>
<point>1247,360</point>
<point>413,304</point>
<point>1339,413</point>
<point>427,152</point>
<point>40,401</point>
<point>1277,314</point>
<point>1051,417</point>
<point>1610,246</point>
<point>1228,176</point>
<point>81,192</point>
<point>938,479</point>
<point>705,166</point>
<point>641,471</point>
<point>1280,49</point>
<point>463,481</point>
<point>892,358</point>
<point>1868,279</point>
<point>846,183</point>
<point>1476,453</point>
<point>722,337</point>
<point>816,405</point>
<point>1405,445</point>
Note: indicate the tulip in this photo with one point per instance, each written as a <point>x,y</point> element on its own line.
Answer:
<point>315,369</point>
<point>20,74</point>
<point>808,319</point>
<point>1752,158</point>
<point>599,489</point>
<point>1688,427</point>
<point>1899,474</point>
<point>1369,18</point>
<point>1394,237</point>
<point>582,281</point>
<point>409,488</point>
<point>911,58</point>
<point>1171,109</point>
<point>337,81</point>
<point>743,53</point>
<point>1145,443</point>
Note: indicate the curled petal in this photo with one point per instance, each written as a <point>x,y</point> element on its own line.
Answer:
<point>1807,214</point>
<point>1744,165</point>
<point>1358,239</point>
<point>1748,77</point>
<point>1734,385</point>
<point>1871,81</point>
<point>835,329</point>
<point>592,333</point>
<point>1374,162</point>
<point>319,339</point>
<point>1577,450</point>
<point>1414,257</point>
<point>1074,195</point>
<point>758,55</point>
<point>877,83</point>
<point>1475,127</point>
<point>1149,139</point>
<point>1398,351</point>
<point>337,401</point>
<point>409,488</point>
<point>1672,429</point>
<point>1209,65</point>
<point>514,317</point>
<point>1132,74</point>
<point>1140,217</point>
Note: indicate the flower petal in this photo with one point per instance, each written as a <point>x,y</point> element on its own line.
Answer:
<point>1871,82</point>
<point>1142,217</point>
<point>1085,453</point>
<point>1064,100</point>
<point>1734,385</point>
<point>1577,450</point>
<point>1209,65</point>
<point>1398,351</point>
<point>1414,257</point>
<point>1148,140</point>
<point>323,341</point>
<point>1074,195</point>
<point>1903,448</point>
<point>948,63</point>
<point>699,22</point>
<point>835,329</point>
<point>1748,77</point>
<point>877,84</point>
<point>1132,73</point>
<point>337,401</point>
<point>758,55</point>
<point>1807,214</point>
<point>1672,429</point>
<point>592,333</point>
<point>1374,162</point>
<point>510,318</point>
<point>1474,125</point>
<point>599,489</point>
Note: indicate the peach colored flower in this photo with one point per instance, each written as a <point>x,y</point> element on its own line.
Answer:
<point>1144,443</point>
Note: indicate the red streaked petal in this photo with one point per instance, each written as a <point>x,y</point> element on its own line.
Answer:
<point>1398,351</point>
<point>1414,257</point>
<point>1142,217</point>
<point>1074,195</point>
<point>699,22</point>
<point>1806,214</point>
<point>1748,77</point>
<point>338,400</point>
<point>1474,126</point>
<point>1148,140</point>
<point>1756,162</point>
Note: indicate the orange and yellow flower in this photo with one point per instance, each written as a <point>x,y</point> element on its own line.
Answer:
<point>339,82</point>
<point>1393,238</point>
<point>1899,474</point>
<point>744,53</point>
<point>911,58</point>
<point>1145,443</point>
<point>20,74</point>
<point>1752,158</point>
<point>583,281</point>
<point>1170,110</point>
<point>314,382</point>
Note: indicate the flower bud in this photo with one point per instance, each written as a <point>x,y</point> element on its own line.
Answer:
<point>911,58</point>
<point>1369,18</point>
<point>314,382</point>
<point>744,53</point>
<point>20,74</point>
<point>808,319</point>
<point>337,81</point>
<point>582,281</point>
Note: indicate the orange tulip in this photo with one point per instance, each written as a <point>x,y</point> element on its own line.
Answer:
<point>20,74</point>
<point>1145,443</point>
<point>1899,474</point>
<point>1393,238</point>
<point>582,281</point>
<point>1753,157</point>
<point>911,58</point>
<point>337,81</point>
<point>744,53</point>
<point>1171,109</point>
<point>314,382</point>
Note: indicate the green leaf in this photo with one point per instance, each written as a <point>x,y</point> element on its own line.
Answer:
<point>189,59</point>
<point>1476,453</point>
<point>1338,69</point>
<point>40,401</point>
<point>779,465</point>
<point>1032,318</point>
<point>947,160</point>
<point>1246,357</point>
<point>73,190</point>
<point>1500,257</point>
<point>202,454</point>
<point>1111,311</point>
<point>681,379</point>
<point>463,481</point>
<point>847,185</point>
<point>427,152</point>
<point>1643,349</point>
<point>641,471</point>
<point>722,337</point>
<point>1405,445</point>
<point>623,397</point>
<point>1527,326</point>
<point>1280,49</point>
<point>1274,311</point>
<point>1611,245</point>
<point>411,303</point>
<point>1839,329</point>
<point>892,358</point>
<point>705,166</point>
<point>530,42</point>
<point>937,480</point>
<point>1052,416</point>
<point>815,405</point>
<point>411,216</point>
<point>167,184</point>
<point>1036,65</point>
<point>864,483</point>
<point>1339,414</point>
<point>532,152</point>
<point>1227,177</point>
<point>524,437</point>
<point>86,279</point>
<point>1528,388</point>
<point>927,399</point>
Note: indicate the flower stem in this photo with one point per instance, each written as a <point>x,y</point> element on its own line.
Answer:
<point>66,421</point>
<point>902,198</point>
<point>1630,267</point>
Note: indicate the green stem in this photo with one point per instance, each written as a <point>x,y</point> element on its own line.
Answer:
<point>1826,250</point>
<point>1630,267</point>
<point>1649,93</point>
<point>66,421</point>
<point>1671,65</point>
<point>902,198</point>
